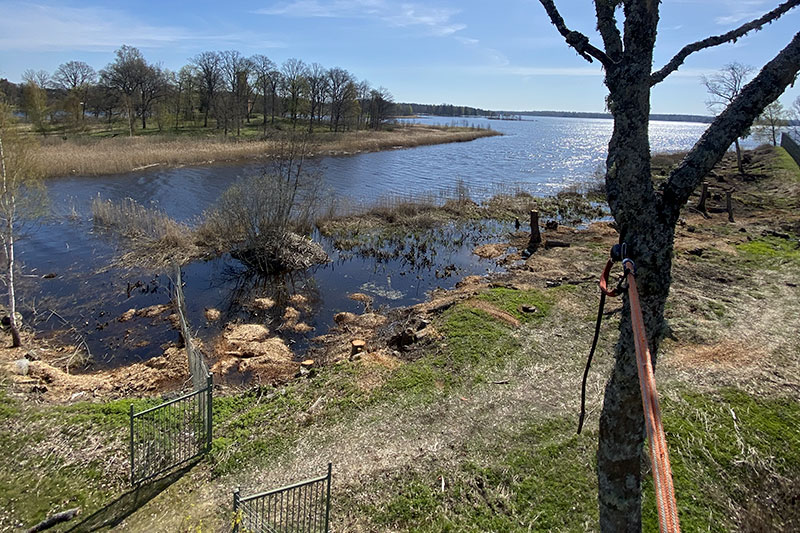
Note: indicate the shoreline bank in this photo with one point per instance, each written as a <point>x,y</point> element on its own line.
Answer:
<point>125,154</point>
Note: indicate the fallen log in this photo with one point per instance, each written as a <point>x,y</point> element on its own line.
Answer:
<point>50,521</point>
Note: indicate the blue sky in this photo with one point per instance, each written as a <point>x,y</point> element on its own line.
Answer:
<point>497,55</point>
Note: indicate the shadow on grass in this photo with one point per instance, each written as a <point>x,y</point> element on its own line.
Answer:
<point>118,510</point>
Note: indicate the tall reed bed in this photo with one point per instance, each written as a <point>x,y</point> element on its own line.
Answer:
<point>125,154</point>
<point>151,238</point>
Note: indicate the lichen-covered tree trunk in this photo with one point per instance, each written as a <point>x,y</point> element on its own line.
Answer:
<point>636,209</point>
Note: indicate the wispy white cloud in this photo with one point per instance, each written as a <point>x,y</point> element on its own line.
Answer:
<point>491,55</point>
<point>329,9</point>
<point>550,71</point>
<point>733,11</point>
<point>435,20</point>
<point>736,17</point>
<point>572,72</point>
<point>46,28</point>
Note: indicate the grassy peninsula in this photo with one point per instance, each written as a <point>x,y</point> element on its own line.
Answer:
<point>471,426</point>
<point>114,153</point>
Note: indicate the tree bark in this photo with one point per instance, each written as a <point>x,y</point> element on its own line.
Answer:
<point>738,156</point>
<point>635,207</point>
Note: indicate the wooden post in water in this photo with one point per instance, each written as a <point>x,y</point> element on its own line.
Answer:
<point>536,236</point>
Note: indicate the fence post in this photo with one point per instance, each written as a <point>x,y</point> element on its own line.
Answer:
<point>701,205</point>
<point>209,409</point>
<point>132,456</point>
<point>236,517</point>
<point>328,501</point>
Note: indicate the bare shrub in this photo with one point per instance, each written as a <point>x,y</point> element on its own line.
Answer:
<point>259,218</point>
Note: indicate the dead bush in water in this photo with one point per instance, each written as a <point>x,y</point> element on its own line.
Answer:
<point>260,219</point>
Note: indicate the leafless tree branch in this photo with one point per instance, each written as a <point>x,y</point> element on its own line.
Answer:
<point>607,26</point>
<point>576,39</point>
<point>731,36</point>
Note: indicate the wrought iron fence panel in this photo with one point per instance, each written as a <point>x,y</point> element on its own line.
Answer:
<point>300,508</point>
<point>170,434</point>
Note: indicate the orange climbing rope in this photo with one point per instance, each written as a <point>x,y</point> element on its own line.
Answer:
<point>659,456</point>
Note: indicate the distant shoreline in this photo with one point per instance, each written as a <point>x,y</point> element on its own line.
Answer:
<point>655,116</point>
<point>512,115</point>
<point>407,110</point>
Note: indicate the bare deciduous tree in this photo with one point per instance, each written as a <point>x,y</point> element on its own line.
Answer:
<point>294,87</point>
<point>340,83</point>
<point>236,70</point>
<point>317,83</point>
<point>771,121</point>
<point>724,87</point>
<point>263,67</point>
<point>209,69</point>
<point>152,85</point>
<point>125,75</point>
<point>22,198</point>
<point>646,217</point>
<point>39,77</point>
<point>381,105</point>
<point>75,77</point>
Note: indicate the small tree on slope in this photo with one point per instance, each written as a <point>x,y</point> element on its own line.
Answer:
<point>646,217</point>
<point>22,198</point>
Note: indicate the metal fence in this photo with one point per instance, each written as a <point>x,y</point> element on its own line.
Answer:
<point>791,145</point>
<point>197,366</point>
<point>302,507</point>
<point>170,434</point>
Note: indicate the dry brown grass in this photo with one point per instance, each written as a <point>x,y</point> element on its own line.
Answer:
<point>152,239</point>
<point>125,154</point>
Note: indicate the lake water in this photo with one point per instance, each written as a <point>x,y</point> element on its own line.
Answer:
<point>541,156</point>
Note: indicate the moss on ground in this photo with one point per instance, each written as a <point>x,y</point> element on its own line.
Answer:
<point>771,251</point>
<point>785,166</point>
<point>58,457</point>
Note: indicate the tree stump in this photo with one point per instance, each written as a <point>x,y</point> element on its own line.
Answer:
<point>357,346</point>
<point>536,236</point>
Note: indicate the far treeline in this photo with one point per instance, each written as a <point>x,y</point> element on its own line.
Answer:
<point>449,110</point>
<point>215,90</point>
